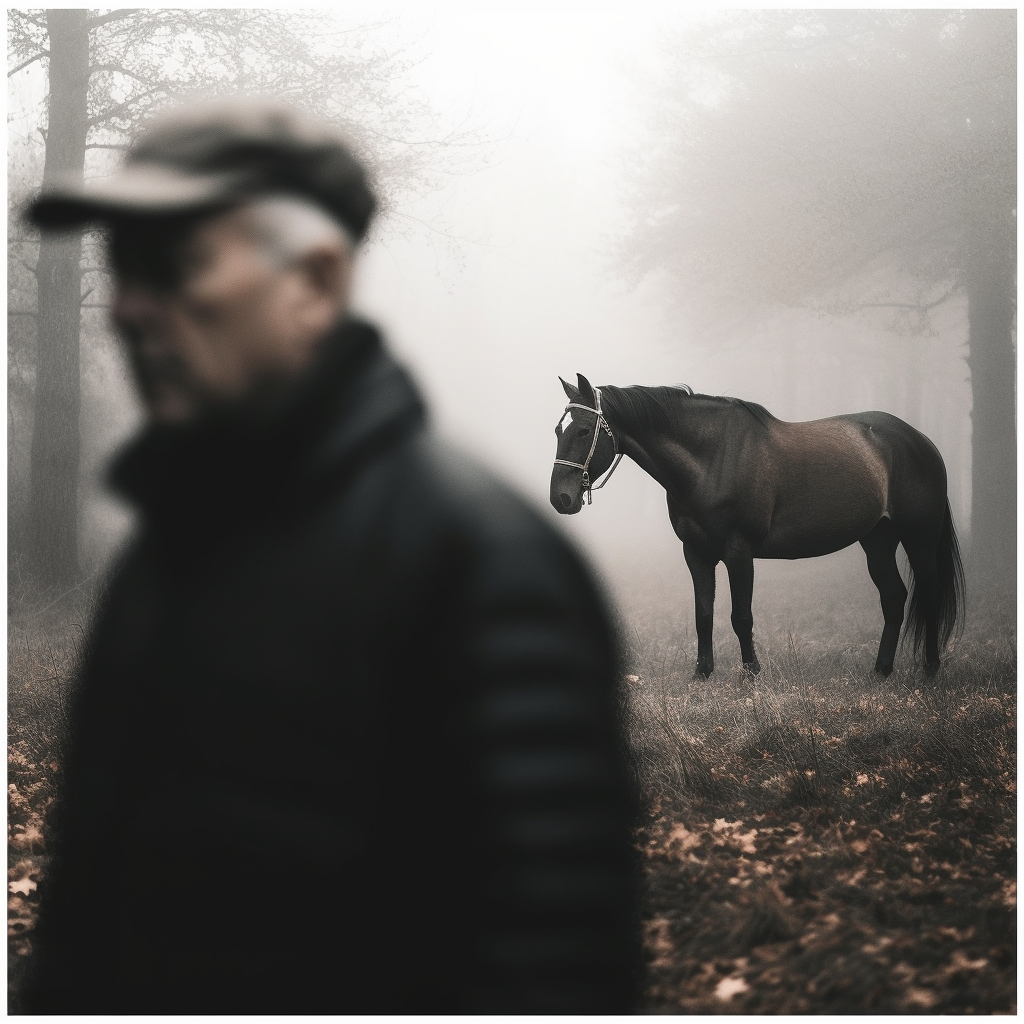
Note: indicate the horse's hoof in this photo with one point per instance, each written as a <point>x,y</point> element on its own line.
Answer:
<point>883,670</point>
<point>752,667</point>
<point>703,671</point>
<point>931,668</point>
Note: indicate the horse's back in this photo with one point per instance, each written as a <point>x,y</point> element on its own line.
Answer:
<point>917,473</point>
<point>898,435</point>
<point>869,436</point>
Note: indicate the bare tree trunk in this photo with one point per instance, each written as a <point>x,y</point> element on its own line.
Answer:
<point>55,439</point>
<point>991,308</point>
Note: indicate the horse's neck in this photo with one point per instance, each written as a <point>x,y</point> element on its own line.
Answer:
<point>651,455</point>
<point>672,457</point>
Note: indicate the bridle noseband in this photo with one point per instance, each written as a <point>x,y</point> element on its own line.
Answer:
<point>600,424</point>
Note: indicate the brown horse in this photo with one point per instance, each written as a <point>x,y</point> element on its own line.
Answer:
<point>742,484</point>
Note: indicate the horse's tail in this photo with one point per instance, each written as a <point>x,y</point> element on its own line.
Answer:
<point>950,587</point>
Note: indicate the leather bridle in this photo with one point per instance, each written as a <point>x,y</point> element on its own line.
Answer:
<point>600,424</point>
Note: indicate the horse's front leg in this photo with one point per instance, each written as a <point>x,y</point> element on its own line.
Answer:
<point>740,563</point>
<point>702,569</point>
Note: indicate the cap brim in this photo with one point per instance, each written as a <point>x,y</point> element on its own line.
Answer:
<point>142,190</point>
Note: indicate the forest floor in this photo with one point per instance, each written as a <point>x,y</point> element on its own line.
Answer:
<point>818,840</point>
<point>44,645</point>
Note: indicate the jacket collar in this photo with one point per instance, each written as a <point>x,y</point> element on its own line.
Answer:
<point>248,460</point>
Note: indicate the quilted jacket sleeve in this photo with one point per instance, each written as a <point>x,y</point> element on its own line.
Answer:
<point>558,889</point>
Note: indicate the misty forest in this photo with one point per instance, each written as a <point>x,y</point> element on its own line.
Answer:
<point>814,211</point>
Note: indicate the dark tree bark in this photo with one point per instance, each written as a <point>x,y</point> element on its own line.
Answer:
<point>55,438</point>
<point>991,307</point>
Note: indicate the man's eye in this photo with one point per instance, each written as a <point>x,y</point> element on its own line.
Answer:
<point>193,259</point>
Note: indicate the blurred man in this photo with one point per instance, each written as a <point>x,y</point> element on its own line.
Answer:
<point>347,737</point>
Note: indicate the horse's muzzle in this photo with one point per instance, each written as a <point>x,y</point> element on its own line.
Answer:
<point>565,504</point>
<point>565,493</point>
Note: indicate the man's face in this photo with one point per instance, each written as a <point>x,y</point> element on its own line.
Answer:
<point>208,317</point>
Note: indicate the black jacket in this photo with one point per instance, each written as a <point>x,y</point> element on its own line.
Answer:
<point>347,740</point>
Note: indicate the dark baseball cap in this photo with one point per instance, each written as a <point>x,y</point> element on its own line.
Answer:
<point>216,154</point>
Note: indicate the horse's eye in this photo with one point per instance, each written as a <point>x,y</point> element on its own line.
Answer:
<point>582,432</point>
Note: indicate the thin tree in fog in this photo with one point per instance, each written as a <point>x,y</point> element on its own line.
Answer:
<point>107,72</point>
<point>844,160</point>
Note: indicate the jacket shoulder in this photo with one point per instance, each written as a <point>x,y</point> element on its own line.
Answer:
<point>454,517</point>
<point>446,491</point>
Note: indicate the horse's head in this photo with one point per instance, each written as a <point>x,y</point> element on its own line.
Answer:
<point>586,447</point>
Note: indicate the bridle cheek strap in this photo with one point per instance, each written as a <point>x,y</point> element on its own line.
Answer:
<point>601,423</point>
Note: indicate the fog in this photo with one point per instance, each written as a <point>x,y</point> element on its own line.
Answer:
<point>508,274</point>
<point>531,295</point>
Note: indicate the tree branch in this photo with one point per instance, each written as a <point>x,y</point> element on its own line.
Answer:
<point>119,15</point>
<point>114,111</point>
<point>32,21</point>
<point>25,63</point>
<point>121,70</point>
<point>106,145</point>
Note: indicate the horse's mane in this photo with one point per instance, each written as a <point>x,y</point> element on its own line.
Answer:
<point>643,407</point>
<point>653,408</point>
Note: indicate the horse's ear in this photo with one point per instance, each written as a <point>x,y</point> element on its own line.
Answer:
<point>571,392</point>
<point>586,388</point>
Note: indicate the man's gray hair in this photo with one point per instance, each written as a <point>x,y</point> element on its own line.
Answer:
<point>288,227</point>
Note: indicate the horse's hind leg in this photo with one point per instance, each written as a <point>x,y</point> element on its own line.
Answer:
<point>702,569</point>
<point>880,547</point>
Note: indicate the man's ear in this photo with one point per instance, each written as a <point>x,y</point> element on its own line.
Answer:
<point>571,392</point>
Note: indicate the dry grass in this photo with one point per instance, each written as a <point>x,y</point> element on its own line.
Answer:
<point>821,840</point>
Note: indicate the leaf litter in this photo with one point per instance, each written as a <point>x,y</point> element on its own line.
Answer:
<point>824,841</point>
